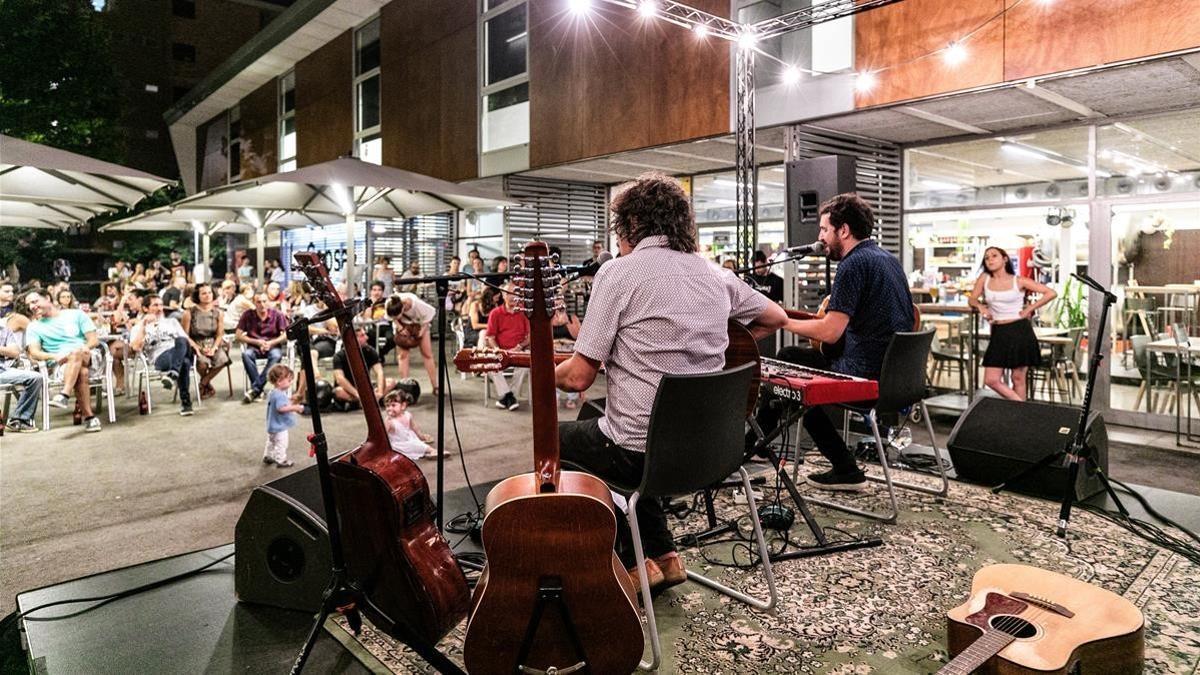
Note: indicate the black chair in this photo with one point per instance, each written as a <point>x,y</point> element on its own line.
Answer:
<point>696,439</point>
<point>901,386</point>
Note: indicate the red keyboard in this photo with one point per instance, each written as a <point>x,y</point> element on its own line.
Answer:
<point>810,386</point>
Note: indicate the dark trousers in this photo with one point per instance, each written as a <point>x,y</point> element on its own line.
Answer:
<point>250,356</point>
<point>178,360</point>
<point>816,420</point>
<point>584,446</point>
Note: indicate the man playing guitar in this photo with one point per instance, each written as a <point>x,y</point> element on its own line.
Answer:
<point>639,327</point>
<point>869,303</point>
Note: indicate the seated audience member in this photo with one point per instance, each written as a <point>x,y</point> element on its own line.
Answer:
<point>173,297</point>
<point>120,324</point>
<point>383,272</point>
<point>414,316</point>
<point>262,332</point>
<point>344,390</point>
<point>239,305</point>
<point>178,267</point>
<point>65,337</point>
<point>499,268</point>
<point>508,328</point>
<point>245,271</point>
<point>109,298</point>
<point>477,270</point>
<point>164,343</point>
<point>375,312</point>
<point>275,297</point>
<point>565,329</point>
<point>204,325</point>
<point>474,320</point>
<point>226,295</point>
<point>65,299</point>
<point>8,293</point>
<point>12,343</point>
<point>278,274</point>
<point>297,298</point>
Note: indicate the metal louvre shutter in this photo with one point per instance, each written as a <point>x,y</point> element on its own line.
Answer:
<point>428,240</point>
<point>878,174</point>
<point>567,215</point>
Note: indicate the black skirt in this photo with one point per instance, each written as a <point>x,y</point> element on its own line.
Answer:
<point>1013,345</point>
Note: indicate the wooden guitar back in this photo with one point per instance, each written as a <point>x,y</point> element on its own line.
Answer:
<point>573,532</point>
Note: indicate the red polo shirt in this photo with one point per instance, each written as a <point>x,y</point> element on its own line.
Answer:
<point>507,328</point>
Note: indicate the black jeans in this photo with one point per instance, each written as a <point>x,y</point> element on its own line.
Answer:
<point>178,360</point>
<point>584,446</point>
<point>817,421</point>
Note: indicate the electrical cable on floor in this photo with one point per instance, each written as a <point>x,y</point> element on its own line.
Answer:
<point>464,523</point>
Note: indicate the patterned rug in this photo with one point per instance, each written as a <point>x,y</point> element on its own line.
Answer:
<point>882,610</point>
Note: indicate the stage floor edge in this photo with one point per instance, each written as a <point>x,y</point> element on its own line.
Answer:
<point>195,625</point>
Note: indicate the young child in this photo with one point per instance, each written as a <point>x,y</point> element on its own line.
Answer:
<point>402,430</point>
<point>281,416</point>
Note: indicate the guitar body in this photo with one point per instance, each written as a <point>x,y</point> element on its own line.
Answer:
<point>395,554</point>
<point>553,596</point>
<point>832,350</point>
<point>1103,635</point>
<point>574,529</point>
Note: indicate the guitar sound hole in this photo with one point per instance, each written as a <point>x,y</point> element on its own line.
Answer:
<point>1014,626</point>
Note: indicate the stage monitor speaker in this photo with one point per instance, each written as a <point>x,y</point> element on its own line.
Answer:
<point>996,438</point>
<point>810,182</point>
<point>282,546</point>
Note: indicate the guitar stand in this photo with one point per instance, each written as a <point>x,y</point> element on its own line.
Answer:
<point>822,546</point>
<point>550,590</point>
<point>341,595</point>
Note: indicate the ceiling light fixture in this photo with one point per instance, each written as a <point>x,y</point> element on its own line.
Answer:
<point>579,7</point>
<point>648,8</point>
<point>701,30</point>
<point>747,39</point>
<point>865,81</point>
<point>791,74</point>
<point>955,54</point>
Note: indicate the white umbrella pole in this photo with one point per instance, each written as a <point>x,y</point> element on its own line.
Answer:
<point>261,241</point>
<point>205,250</point>
<point>196,255</point>
<point>350,278</point>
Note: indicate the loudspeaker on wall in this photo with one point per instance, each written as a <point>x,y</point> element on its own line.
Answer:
<point>810,182</point>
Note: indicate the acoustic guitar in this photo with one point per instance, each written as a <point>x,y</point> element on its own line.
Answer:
<point>1026,620</point>
<point>553,596</point>
<point>394,552</point>
<point>832,350</point>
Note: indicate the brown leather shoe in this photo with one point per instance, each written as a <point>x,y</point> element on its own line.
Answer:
<point>673,571</point>
<point>655,576</point>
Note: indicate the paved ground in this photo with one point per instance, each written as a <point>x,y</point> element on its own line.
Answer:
<point>146,487</point>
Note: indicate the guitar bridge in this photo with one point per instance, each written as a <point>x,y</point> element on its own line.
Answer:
<point>552,670</point>
<point>1044,603</point>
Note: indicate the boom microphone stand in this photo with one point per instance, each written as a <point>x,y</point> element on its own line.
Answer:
<point>1077,452</point>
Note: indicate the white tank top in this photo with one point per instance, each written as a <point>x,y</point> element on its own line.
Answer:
<point>1004,305</point>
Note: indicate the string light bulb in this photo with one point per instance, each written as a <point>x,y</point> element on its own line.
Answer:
<point>791,75</point>
<point>701,30</point>
<point>747,39</point>
<point>648,8</point>
<point>955,53</point>
<point>865,81</point>
<point>579,7</point>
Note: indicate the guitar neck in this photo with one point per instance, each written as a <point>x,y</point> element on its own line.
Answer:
<point>525,359</point>
<point>543,399</point>
<point>801,314</point>
<point>376,431</point>
<point>972,658</point>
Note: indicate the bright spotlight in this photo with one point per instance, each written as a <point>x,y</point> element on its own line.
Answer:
<point>865,81</point>
<point>700,29</point>
<point>579,7</point>
<point>791,75</point>
<point>955,54</point>
<point>747,39</point>
<point>648,8</point>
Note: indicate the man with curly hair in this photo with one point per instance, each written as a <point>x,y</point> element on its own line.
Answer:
<point>659,308</point>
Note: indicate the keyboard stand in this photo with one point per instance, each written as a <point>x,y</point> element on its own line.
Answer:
<point>822,546</point>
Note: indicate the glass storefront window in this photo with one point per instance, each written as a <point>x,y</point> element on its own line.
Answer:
<point>1150,156</point>
<point>1044,166</point>
<point>506,40</point>
<point>714,200</point>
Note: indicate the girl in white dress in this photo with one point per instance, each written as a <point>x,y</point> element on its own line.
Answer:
<point>403,433</point>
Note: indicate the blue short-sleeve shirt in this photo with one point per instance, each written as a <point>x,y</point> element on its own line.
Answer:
<point>870,288</point>
<point>278,421</point>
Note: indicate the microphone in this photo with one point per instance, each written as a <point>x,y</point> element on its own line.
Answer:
<point>589,270</point>
<point>815,248</point>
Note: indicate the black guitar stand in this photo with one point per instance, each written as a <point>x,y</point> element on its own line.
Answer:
<point>550,591</point>
<point>1076,452</point>
<point>341,595</point>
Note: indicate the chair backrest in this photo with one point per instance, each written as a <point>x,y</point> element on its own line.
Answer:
<point>902,375</point>
<point>697,434</point>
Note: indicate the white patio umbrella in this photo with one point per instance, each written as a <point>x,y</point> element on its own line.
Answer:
<point>39,183</point>
<point>349,188</point>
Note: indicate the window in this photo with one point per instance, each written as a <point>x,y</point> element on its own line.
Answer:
<point>367,141</point>
<point>184,8</point>
<point>504,69</point>
<point>287,122</point>
<point>235,144</point>
<point>181,51</point>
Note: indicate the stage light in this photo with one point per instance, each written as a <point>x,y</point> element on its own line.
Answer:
<point>701,30</point>
<point>865,81</point>
<point>747,39</point>
<point>648,8</point>
<point>955,54</point>
<point>791,75</point>
<point>579,7</point>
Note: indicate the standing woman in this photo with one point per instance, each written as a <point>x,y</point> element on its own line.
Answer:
<point>205,328</point>
<point>1013,345</point>
<point>413,317</point>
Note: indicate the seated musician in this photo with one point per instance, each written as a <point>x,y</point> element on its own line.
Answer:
<point>869,303</point>
<point>659,308</point>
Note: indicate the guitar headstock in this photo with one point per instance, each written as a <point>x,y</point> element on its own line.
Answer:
<point>536,268</point>
<point>481,360</point>
<point>310,265</point>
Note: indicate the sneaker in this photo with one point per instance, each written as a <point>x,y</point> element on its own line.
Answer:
<point>91,425</point>
<point>249,396</point>
<point>60,401</point>
<point>285,464</point>
<point>267,460</point>
<point>20,426</point>
<point>168,380</point>
<point>512,402</point>
<point>502,402</point>
<point>185,410</point>
<point>832,480</point>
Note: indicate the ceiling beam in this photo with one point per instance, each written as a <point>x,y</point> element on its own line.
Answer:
<point>1059,100</point>
<point>942,120</point>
